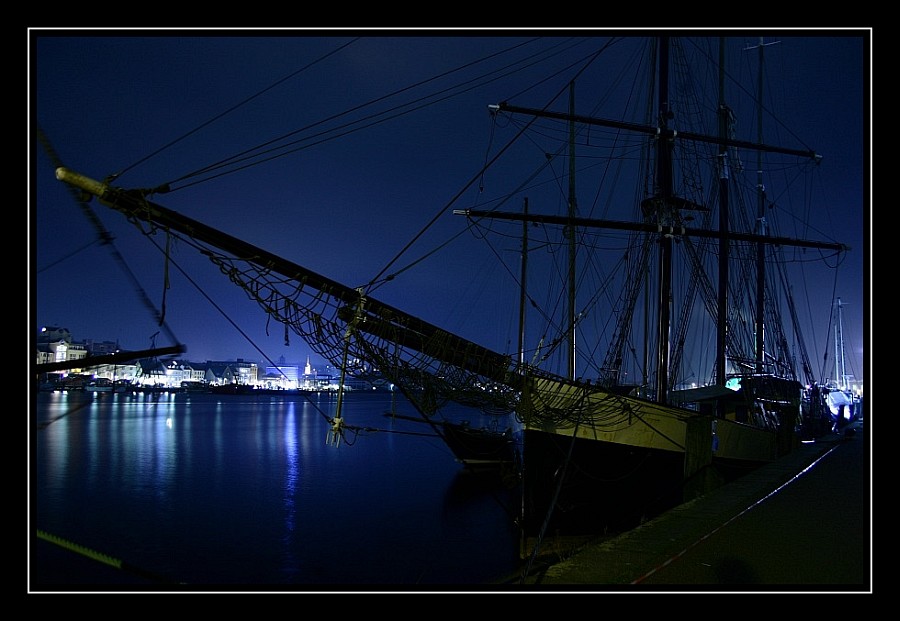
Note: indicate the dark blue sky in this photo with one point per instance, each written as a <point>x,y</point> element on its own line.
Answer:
<point>359,175</point>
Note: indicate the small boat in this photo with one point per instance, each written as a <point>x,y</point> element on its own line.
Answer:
<point>843,404</point>
<point>101,384</point>
<point>194,386</point>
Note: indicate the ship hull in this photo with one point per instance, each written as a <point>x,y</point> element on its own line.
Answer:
<point>575,487</point>
<point>612,461</point>
<point>479,448</point>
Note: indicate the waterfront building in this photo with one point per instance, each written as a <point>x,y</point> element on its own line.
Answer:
<point>55,344</point>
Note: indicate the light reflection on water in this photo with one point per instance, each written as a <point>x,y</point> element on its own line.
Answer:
<point>209,489</point>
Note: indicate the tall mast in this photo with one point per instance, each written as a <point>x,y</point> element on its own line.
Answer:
<point>524,275</point>
<point>724,245</point>
<point>840,371</point>
<point>570,231</point>
<point>761,230</point>
<point>760,225</point>
<point>664,213</point>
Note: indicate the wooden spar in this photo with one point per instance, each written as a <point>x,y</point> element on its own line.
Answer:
<point>377,318</point>
<point>648,228</point>
<point>652,130</point>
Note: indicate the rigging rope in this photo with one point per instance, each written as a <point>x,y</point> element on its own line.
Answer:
<point>105,237</point>
<point>230,110</point>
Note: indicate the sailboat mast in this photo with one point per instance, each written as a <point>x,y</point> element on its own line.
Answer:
<point>524,275</point>
<point>570,231</point>
<point>761,230</point>
<point>664,188</point>
<point>724,245</point>
<point>840,372</point>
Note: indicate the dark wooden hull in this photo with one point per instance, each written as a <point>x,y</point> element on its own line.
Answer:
<point>589,487</point>
<point>479,447</point>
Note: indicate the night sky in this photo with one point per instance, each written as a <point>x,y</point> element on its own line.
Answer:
<point>364,142</point>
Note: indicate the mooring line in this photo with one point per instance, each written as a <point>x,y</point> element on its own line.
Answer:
<point>103,558</point>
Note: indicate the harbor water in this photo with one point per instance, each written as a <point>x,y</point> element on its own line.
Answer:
<point>247,491</point>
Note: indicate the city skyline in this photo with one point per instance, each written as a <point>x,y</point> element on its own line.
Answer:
<point>311,359</point>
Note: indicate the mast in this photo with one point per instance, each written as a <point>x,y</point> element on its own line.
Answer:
<point>664,217</point>
<point>840,372</point>
<point>724,245</point>
<point>570,232</point>
<point>761,230</point>
<point>524,274</point>
<point>760,224</point>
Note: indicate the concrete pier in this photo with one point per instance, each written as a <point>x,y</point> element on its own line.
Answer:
<point>801,523</point>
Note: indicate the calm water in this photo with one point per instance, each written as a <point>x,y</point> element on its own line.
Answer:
<point>243,490</point>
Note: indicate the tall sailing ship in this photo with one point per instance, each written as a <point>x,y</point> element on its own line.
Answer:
<point>608,428</point>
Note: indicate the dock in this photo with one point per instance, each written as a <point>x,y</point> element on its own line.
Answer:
<point>800,523</point>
